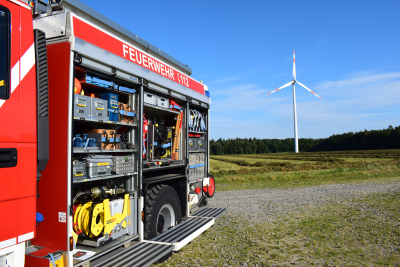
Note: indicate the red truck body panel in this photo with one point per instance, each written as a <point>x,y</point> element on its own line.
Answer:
<point>51,233</point>
<point>18,130</point>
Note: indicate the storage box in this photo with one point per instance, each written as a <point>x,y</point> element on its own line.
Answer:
<point>99,167</point>
<point>126,114</point>
<point>162,102</point>
<point>200,144</point>
<point>150,99</point>
<point>86,143</point>
<point>98,109</point>
<point>79,170</point>
<point>114,141</point>
<point>123,164</point>
<point>81,106</point>
<point>107,138</point>
<point>112,105</point>
<point>192,144</point>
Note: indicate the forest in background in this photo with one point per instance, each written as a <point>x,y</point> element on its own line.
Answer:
<point>364,140</point>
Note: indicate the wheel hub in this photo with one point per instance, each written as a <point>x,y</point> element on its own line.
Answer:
<point>166,218</point>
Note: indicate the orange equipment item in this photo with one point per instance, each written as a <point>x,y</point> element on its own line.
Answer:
<point>78,87</point>
<point>175,152</point>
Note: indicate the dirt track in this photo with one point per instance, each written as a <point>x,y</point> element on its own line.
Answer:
<point>263,205</point>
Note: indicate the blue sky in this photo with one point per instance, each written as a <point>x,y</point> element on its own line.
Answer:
<point>348,52</point>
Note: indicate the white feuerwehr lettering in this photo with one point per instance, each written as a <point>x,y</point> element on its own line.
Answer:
<point>148,62</point>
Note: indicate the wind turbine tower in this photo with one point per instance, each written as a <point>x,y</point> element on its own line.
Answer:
<point>296,139</point>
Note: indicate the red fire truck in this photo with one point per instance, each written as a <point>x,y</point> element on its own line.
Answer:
<point>104,142</point>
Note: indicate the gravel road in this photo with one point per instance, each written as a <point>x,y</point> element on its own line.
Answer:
<point>265,204</point>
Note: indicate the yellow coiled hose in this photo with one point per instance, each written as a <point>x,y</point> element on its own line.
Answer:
<point>82,219</point>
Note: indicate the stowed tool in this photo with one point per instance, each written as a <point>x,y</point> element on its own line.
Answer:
<point>162,140</point>
<point>175,148</point>
<point>197,121</point>
<point>98,221</point>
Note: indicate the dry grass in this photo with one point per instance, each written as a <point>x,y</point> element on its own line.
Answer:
<point>303,169</point>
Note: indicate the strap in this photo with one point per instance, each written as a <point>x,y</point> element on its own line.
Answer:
<point>53,262</point>
<point>165,145</point>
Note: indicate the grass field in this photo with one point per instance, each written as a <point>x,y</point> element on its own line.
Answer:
<point>362,232</point>
<point>257,171</point>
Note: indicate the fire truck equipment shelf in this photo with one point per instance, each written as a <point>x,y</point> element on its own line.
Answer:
<point>103,177</point>
<point>104,122</point>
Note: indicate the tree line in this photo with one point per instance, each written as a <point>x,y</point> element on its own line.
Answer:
<point>364,140</point>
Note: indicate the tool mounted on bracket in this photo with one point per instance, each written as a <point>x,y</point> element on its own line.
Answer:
<point>98,221</point>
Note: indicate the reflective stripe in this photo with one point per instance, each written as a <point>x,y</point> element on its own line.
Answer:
<point>20,3</point>
<point>15,77</point>
<point>25,237</point>
<point>27,61</point>
<point>7,243</point>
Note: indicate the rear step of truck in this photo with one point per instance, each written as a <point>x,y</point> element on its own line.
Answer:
<point>140,254</point>
<point>149,251</point>
<point>209,212</point>
<point>184,232</point>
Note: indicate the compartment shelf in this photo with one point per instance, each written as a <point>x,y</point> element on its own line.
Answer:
<point>106,151</point>
<point>152,108</point>
<point>92,88</point>
<point>197,132</point>
<point>81,119</point>
<point>103,177</point>
<point>198,151</point>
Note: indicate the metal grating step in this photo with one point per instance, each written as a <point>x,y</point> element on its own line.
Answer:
<point>140,254</point>
<point>209,212</point>
<point>184,232</point>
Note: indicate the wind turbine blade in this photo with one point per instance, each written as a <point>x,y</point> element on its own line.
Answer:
<point>308,89</point>
<point>286,85</point>
<point>294,66</point>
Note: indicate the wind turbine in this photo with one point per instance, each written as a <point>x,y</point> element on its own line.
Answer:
<point>296,140</point>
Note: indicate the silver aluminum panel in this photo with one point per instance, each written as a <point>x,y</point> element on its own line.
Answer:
<point>86,62</point>
<point>204,105</point>
<point>157,88</point>
<point>127,77</point>
<point>178,96</point>
<point>195,102</point>
<point>53,26</point>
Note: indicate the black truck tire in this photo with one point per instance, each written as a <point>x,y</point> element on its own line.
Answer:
<point>162,210</point>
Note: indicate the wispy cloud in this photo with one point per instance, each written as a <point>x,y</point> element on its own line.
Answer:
<point>360,81</point>
<point>367,101</point>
